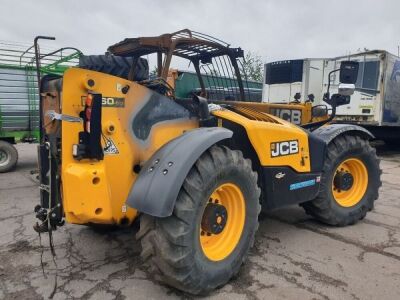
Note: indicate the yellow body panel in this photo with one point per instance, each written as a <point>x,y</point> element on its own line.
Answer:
<point>96,191</point>
<point>262,133</point>
<point>281,110</point>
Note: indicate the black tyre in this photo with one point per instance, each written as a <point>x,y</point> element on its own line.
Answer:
<point>8,157</point>
<point>115,65</point>
<point>349,183</point>
<point>206,239</point>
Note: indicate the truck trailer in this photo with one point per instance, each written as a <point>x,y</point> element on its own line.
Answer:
<point>375,104</point>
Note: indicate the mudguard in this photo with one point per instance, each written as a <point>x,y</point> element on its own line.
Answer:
<point>330,132</point>
<point>155,190</point>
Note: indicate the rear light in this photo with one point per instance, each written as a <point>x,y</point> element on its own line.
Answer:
<point>89,100</point>
<point>89,145</point>
<point>88,111</point>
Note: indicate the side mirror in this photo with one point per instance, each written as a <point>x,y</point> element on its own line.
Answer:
<point>346,89</point>
<point>348,72</point>
<point>319,111</point>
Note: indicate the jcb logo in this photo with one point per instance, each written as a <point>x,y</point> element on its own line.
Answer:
<point>291,115</point>
<point>284,148</point>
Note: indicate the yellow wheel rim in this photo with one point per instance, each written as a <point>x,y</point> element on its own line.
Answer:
<point>355,193</point>
<point>219,246</point>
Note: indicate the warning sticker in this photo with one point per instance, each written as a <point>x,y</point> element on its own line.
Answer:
<point>110,147</point>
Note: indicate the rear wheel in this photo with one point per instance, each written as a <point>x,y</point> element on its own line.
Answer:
<point>204,242</point>
<point>8,157</point>
<point>349,183</point>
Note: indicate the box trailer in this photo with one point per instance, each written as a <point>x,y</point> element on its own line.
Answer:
<point>374,105</point>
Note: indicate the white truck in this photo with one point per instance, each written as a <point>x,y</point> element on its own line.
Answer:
<point>374,105</point>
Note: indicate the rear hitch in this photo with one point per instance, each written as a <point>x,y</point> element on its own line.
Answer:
<point>49,211</point>
<point>47,218</point>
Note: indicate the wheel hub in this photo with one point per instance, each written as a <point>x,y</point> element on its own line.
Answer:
<point>214,218</point>
<point>343,181</point>
<point>218,234</point>
<point>350,182</point>
<point>3,157</point>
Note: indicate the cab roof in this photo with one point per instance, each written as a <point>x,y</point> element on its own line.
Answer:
<point>185,43</point>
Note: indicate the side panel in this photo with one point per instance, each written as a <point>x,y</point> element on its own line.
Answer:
<point>311,82</point>
<point>96,191</point>
<point>391,104</point>
<point>18,101</point>
<point>282,93</point>
<point>366,102</point>
<point>282,80</point>
<point>273,141</point>
<point>315,77</point>
<point>284,187</point>
<point>286,179</point>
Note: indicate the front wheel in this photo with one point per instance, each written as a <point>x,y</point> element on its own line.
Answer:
<point>349,183</point>
<point>204,242</point>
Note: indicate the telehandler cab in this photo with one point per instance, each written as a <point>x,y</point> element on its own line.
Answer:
<point>196,174</point>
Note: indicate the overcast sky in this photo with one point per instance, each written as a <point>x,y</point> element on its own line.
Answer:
<point>276,30</point>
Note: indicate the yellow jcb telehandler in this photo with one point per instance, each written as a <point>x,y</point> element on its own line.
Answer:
<point>196,174</point>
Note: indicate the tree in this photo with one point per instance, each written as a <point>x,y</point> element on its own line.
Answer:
<point>154,72</point>
<point>252,67</point>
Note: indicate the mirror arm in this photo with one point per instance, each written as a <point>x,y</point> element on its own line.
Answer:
<point>329,79</point>
<point>315,125</point>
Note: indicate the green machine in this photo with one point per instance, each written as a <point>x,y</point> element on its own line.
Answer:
<point>19,97</point>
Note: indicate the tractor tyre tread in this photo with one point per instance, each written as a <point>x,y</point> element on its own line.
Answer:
<point>324,208</point>
<point>167,243</point>
<point>115,65</point>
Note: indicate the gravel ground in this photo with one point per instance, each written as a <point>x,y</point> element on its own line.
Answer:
<point>294,256</point>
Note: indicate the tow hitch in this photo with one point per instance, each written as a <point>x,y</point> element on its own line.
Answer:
<point>42,215</point>
<point>49,211</point>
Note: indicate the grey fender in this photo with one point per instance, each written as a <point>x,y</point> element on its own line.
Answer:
<point>157,186</point>
<point>330,132</point>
